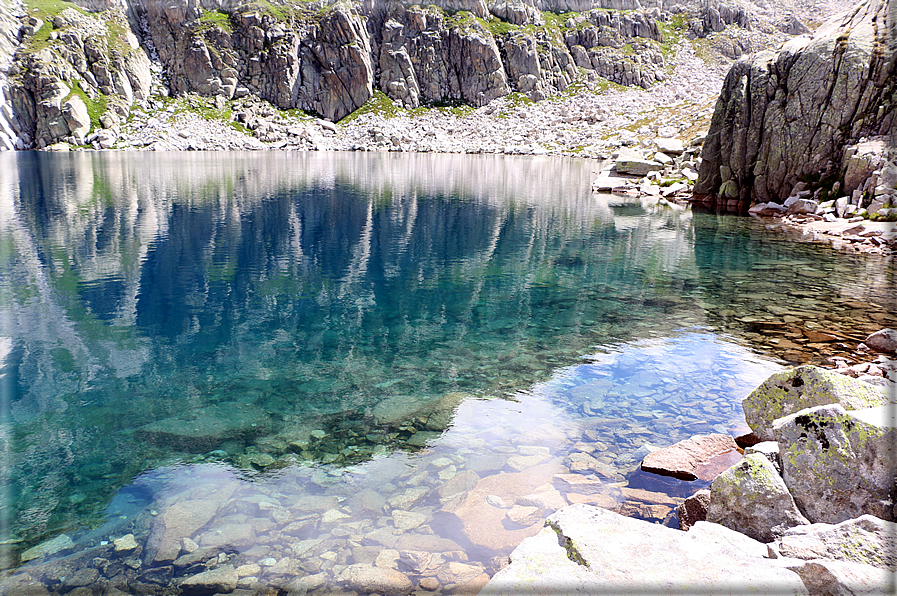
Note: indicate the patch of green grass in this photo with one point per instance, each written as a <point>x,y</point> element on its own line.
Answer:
<point>95,107</point>
<point>498,27</point>
<point>216,18</point>
<point>378,104</point>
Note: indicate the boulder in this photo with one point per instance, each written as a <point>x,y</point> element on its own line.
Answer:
<point>752,498</point>
<point>769,450</point>
<point>587,550</point>
<point>74,110</point>
<point>787,116</point>
<point>637,166</point>
<point>50,547</point>
<point>206,429</point>
<point>884,340</point>
<point>669,146</point>
<point>683,459</point>
<point>866,539</point>
<point>804,387</point>
<point>839,463</point>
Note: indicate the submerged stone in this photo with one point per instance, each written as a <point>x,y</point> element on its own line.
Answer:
<point>206,429</point>
<point>49,547</point>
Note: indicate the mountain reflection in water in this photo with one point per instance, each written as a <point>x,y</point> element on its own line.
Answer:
<point>316,362</point>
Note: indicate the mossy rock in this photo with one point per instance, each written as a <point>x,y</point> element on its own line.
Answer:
<point>805,387</point>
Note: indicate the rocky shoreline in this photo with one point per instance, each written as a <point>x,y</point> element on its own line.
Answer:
<point>810,508</point>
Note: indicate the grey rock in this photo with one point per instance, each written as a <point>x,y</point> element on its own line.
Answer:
<point>785,116</point>
<point>669,146</point>
<point>214,425</point>
<point>587,550</point>
<point>55,545</point>
<point>884,340</point>
<point>866,539</point>
<point>769,450</point>
<point>802,206</point>
<point>803,387</point>
<point>839,464</point>
<point>752,498</point>
<point>637,167</point>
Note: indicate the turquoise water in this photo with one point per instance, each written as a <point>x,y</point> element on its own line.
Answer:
<point>334,356</point>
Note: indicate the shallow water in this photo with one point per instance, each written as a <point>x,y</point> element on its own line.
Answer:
<point>332,360</point>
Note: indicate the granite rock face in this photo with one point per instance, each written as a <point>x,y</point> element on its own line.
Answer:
<point>840,464</point>
<point>786,117</point>
<point>587,550</point>
<point>752,498</point>
<point>324,59</point>
<point>804,387</point>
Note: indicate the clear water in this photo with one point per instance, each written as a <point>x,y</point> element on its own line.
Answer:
<point>330,357</point>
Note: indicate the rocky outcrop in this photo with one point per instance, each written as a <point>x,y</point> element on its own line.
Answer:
<point>53,89</point>
<point>326,59</point>
<point>786,117</point>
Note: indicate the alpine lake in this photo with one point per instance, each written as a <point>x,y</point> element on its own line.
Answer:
<point>310,366</point>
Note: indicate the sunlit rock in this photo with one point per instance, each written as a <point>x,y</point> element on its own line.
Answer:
<point>752,498</point>
<point>840,464</point>
<point>804,387</point>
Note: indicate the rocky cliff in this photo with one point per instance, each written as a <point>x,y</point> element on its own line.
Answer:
<point>788,117</point>
<point>78,68</point>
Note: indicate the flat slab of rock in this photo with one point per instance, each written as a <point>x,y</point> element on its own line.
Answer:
<point>587,550</point>
<point>683,459</point>
<point>804,387</point>
<point>838,463</point>
<point>207,428</point>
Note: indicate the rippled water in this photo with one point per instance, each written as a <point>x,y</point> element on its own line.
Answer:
<point>316,363</point>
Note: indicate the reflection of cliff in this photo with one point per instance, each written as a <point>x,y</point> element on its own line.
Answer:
<point>141,287</point>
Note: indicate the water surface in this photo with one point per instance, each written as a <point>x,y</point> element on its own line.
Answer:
<point>334,360</point>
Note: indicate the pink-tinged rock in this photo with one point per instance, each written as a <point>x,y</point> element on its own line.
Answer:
<point>683,459</point>
<point>884,340</point>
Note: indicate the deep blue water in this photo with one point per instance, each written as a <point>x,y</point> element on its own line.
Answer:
<point>298,326</point>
